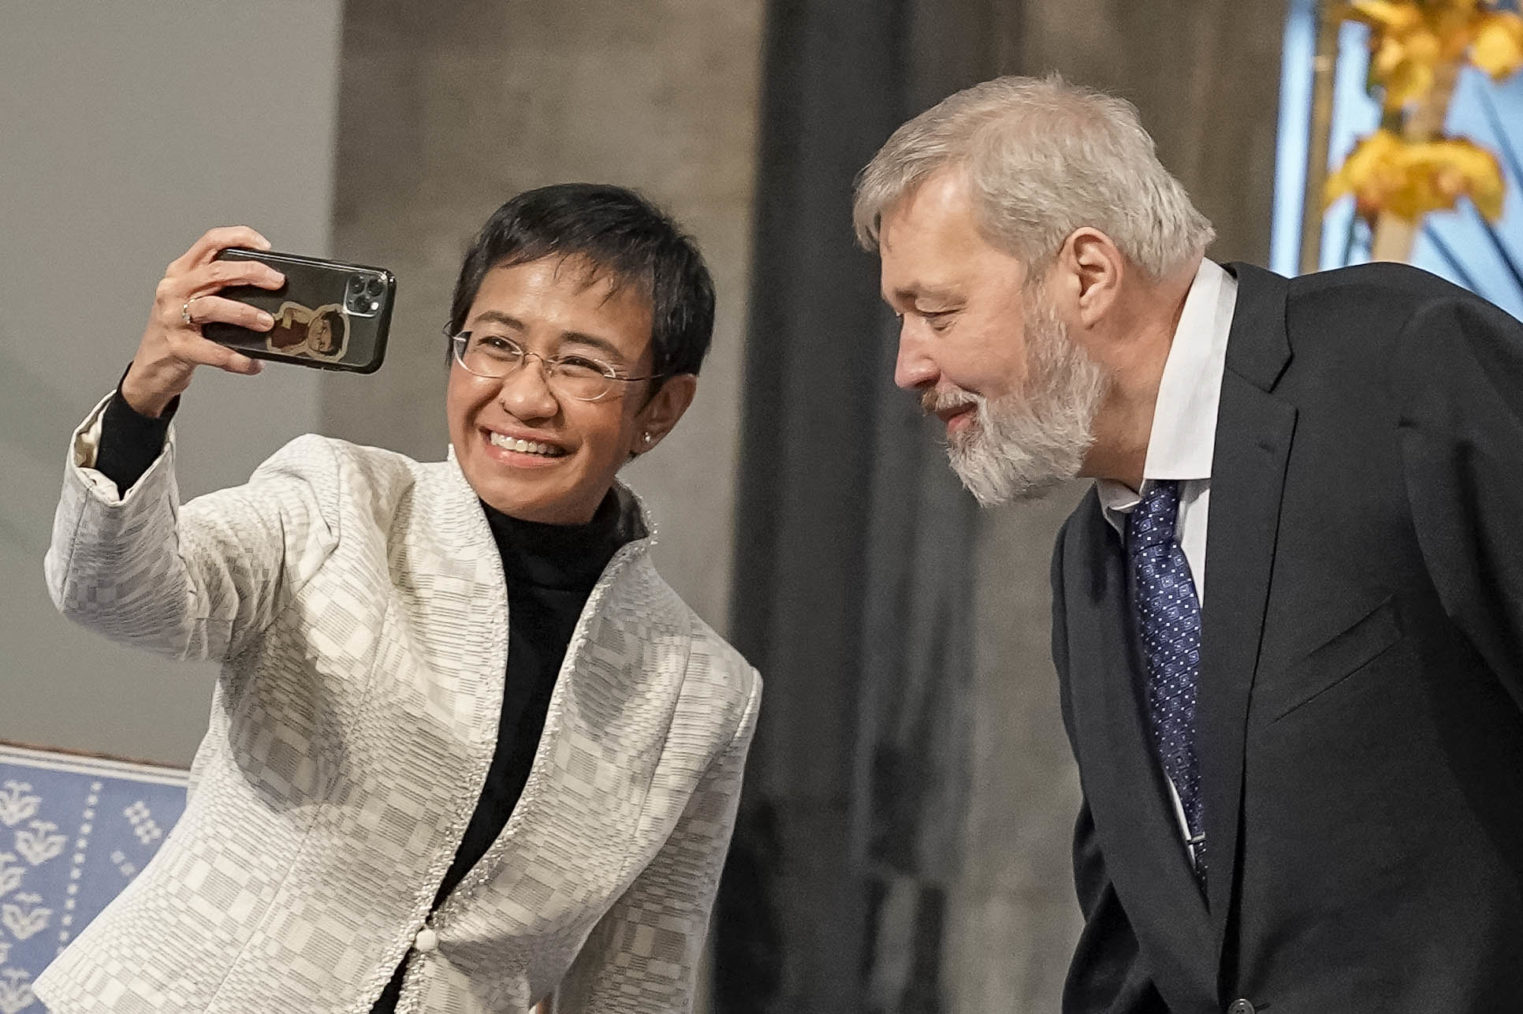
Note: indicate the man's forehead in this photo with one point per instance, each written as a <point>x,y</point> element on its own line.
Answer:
<point>942,197</point>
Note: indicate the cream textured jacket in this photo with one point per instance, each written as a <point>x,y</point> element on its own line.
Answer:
<point>355,600</point>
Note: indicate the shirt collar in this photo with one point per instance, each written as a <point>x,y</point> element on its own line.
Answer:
<point>1183,436</point>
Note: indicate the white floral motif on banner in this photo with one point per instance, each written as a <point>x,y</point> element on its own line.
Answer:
<point>27,922</point>
<point>73,831</point>
<point>10,876</point>
<point>39,844</point>
<point>15,991</point>
<point>15,804</point>
<point>143,824</point>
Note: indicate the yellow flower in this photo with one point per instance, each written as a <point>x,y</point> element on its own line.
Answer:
<point>1406,65</point>
<point>1460,168</point>
<point>1410,40</point>
<point>1410,179</point>
<point>1498,46</point>
<point>1404,49</point>
<point>1385,15</point>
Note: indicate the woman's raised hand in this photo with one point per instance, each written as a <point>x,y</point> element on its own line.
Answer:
<point>172,345</point>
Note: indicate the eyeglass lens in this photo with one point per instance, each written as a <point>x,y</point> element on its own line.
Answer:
<point>579,377</point>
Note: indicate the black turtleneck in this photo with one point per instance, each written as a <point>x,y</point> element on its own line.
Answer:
<point>550,571</point>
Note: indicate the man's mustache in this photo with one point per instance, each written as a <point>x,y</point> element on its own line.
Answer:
<point>933,401</point>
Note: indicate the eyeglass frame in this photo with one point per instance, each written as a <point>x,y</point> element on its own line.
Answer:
<point>459,339</point>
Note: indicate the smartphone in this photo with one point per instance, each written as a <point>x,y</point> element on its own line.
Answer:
<point>328,315</point>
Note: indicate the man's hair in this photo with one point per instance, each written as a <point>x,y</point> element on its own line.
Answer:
<point>621,237</point>
<point>1043,157</point>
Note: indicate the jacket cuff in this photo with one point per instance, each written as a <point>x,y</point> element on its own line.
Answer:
<point>85,449</point>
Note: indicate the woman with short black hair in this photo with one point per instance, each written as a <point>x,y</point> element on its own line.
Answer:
<point>467,747</point>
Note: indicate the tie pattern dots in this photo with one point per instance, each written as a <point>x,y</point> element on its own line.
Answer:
<point>1168,620</point>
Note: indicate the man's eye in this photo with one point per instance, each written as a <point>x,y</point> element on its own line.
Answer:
<point>939,320</point>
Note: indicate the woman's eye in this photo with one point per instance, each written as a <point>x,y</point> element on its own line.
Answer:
<point>497,345</point>
<point>580,365</point>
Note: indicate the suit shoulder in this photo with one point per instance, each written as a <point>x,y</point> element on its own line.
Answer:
<point>349,480</point>
<point>716,672</point>
<point>1394,288</point>
<point>313,452</point>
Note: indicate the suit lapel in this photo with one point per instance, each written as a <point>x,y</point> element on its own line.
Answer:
<point>1253,439</point>
<point>1123,784</point>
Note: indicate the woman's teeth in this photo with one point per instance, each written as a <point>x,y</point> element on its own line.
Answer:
<point>526,446</point>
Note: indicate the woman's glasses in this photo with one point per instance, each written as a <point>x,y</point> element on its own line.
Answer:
<point>579,377</point>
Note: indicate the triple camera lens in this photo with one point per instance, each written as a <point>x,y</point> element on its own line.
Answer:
<point>362,295</point>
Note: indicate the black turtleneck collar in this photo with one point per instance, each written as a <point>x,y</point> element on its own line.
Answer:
<point>558,556</point>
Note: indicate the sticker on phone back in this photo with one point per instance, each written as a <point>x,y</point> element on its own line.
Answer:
<point>321,333</point>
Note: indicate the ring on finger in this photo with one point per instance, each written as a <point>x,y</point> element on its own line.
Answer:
<point>185,314</point>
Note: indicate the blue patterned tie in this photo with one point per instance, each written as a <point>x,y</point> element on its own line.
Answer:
<point>1168,619</point>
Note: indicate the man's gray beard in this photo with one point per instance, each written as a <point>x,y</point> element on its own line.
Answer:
<point>1025,443</point>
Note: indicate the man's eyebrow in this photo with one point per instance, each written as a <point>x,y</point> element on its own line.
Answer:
<point>577,337</point>
<point>910,293</point>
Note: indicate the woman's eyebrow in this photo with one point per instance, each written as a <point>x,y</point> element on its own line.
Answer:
<point>603,345</point>
<point>498,317</point>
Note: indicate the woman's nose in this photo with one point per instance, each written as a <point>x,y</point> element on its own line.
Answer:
<point>526,391</point>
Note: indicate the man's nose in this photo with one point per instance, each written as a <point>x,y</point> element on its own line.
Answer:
<point>913,367</point>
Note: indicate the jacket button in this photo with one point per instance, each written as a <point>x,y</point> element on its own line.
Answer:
<point>1241,1006</point>
<point>427,942</point>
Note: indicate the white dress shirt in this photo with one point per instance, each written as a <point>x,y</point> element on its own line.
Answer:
<point>1183,437</point>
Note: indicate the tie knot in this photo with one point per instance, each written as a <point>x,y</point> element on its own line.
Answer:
<point>1151,522</point>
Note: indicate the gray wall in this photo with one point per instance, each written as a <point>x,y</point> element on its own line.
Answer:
<point>128,129</point>
<point>447,110</point>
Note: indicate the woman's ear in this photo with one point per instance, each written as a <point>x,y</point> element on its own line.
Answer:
<point>661,413</point>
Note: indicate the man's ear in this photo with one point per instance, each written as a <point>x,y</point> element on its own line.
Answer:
<point>1096,268</point>
<point>661,413</point>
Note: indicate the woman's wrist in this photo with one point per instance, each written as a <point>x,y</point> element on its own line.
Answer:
<point>149,390</point>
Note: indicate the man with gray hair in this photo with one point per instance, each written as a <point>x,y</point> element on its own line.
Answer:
<point>1307,797</point>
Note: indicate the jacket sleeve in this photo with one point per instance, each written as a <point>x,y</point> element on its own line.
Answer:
<point>1106,975</point>
<point>643,954</point>
<point>191,582</point>
<point>1459,376</point>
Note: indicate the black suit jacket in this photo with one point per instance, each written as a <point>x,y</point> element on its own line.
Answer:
<point>1360,706</point>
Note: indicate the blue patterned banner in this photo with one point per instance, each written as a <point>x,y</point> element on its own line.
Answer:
<point>73,832</point>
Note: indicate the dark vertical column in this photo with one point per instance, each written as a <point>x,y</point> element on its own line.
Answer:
<point>853,589</point>
<point>791,920</point>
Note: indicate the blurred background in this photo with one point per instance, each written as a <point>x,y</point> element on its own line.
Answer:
<point>903,840</point>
